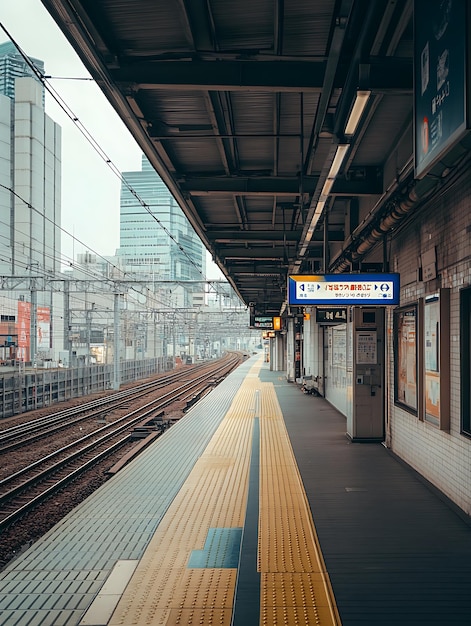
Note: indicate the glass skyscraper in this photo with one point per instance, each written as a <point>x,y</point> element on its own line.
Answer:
<point>13,66</point>
<point>156,239</point>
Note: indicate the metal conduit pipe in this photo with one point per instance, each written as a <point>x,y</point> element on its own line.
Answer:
<point>396,211</point>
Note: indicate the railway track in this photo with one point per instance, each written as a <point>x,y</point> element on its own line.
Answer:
<point>30,432</point>
<point>34,483</point>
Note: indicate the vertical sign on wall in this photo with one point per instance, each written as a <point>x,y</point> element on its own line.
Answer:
<point>432,363</point>
<point>441,86</point>
<point>24,330</point>
<point>405,336</point>
<point>436,336</point>
<point>406,351</point>
<point>44,328</point>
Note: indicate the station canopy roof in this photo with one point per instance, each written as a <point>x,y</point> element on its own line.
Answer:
<point>247,111</point>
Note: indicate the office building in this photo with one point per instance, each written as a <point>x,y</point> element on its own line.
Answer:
<point>13,65</point>
<point>157,242</point>
<point>30,192</point>
<point>30,166</point>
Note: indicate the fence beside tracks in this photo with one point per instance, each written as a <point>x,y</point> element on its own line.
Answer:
<point>22,391</point>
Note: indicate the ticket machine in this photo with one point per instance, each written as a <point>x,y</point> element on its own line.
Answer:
<point>365,421</point>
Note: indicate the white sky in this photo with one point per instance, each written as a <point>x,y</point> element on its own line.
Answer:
<point>90,190</point>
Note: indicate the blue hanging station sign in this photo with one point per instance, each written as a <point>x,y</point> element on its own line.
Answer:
<point>441,78</point>
<point>344,289</point>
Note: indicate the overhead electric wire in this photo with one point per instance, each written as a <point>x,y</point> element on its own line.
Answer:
<point>111,281</point>
<point>98,149</point>
<point>179,316</point>
<point>84,269</point>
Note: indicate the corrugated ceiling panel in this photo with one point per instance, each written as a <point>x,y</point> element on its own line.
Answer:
<point>175,113</point>
<point>296,113</point>
<point>217,212</point>
<point>245,24</point>
<point>261,213</point>
<point>289,156</point>
<point>307,25</point>
<point>253,111</point>
<point>144,26</point>
<point>256,154</point>
<point>380,137</point>
<point>174,109</point>
<point>253,114</point>
<point>293,106</point>
<point>196,155</point>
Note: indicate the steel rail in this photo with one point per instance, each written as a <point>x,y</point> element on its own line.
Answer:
<point>17,436</point>
<point>138,416</point>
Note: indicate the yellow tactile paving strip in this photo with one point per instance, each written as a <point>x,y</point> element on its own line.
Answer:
<point>163,589</point>
<point>295,586</point>
<point>295,590</point>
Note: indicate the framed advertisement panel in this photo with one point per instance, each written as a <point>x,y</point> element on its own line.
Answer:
<point>465,345</point>
<point>406,392</point>
<point>436,337</point>
<point>432,363</point>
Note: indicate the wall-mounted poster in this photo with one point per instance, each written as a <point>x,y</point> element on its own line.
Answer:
<point>44,327</point>
<point>432,359</point>
<point>405,332</point>
<point>24,331</point>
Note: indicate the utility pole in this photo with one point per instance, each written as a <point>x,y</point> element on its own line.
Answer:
<point>34,325</point>
<point>88,319</point>
<point>117,341</point>
<point>173,337</point>
<point>67,337</point>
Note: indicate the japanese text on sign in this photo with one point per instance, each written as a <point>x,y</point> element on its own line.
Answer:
<point>331,315</point>
<point>341,289</point>
<point>352,291</point>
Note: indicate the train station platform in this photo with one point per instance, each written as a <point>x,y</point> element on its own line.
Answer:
<point>254,509</point>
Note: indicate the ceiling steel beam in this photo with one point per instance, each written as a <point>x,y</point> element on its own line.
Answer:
<point>236,236</point>
<point>272,76</point>
<point>232,237</point>
<point>287,76</point>
<point>244,185</point>
<point>197,23</point>
<point>360,181</point>
<point>271,253</point>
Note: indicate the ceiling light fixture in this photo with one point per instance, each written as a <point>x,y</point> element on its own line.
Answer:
<point>337,161</point>
<point>340,153</point>
<point>361,100</point>
<point>327,187</point>
<point>315,218</point>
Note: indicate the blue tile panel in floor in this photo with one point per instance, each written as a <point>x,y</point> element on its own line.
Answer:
<point>221,549</point>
